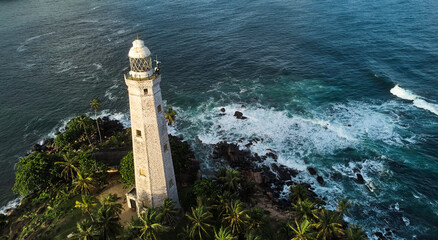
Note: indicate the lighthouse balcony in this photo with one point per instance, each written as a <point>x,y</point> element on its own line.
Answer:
<point>137,78</point>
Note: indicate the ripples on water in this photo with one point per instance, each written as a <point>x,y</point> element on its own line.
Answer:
<point>331,85</point>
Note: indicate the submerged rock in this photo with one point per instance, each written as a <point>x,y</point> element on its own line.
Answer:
<point>312,171</point>
<point>359,178</point>
<point>320,180</point>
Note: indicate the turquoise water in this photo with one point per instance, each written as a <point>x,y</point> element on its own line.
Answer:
<point>331,85</point>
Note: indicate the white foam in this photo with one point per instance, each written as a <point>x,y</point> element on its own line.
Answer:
<point>98,66</point>
<point>418,101</point>
<point>22,47</point>
<point>406,221</point>
<point>402,93</point>
<point>10,205</point>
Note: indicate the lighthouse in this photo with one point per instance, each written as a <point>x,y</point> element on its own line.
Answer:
<point>153,166</point>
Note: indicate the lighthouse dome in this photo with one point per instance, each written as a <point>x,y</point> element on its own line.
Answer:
<point>139,50</point>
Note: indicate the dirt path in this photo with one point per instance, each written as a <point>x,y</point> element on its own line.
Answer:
<point>115,187</point>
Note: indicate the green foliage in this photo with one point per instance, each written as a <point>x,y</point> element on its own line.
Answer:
<point>119,139</point>
<point>199,225</point>
<point>148,225</point>
<point>35,171</point>
<point>90,167</point>
<point>127,170</point>
<point>224,234</point>
<point>230,179</point>
<point>169,115</point>
<point>180,153</point>
<point>206,188</point>
<point>355,232</point>
<point>167,212</point>
<point>298,192</point>
<point>75,128</point>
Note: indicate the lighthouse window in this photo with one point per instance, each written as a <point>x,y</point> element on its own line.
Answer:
<point>165,147</point>
<point>145,91</point>
<point>142,172</point>
<point>159,108</point>
<point>171,183</point>
<point>138,132</point>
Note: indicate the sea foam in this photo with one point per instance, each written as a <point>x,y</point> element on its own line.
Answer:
<point>418,101</point>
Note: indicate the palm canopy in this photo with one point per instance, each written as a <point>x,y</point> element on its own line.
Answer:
<point>327,224</point>
<point>199,222</point>
<point>167,212</point>
<point>69,170</point>
<point>298,192</point>
<point>343,206</point>
<point>107,223</point>
<point>169,115</point>
<point>304,209</point>
<point>85,231</point>
<point>149,225</point>
<point>224,234</point>
<point>302,231</point>
<point>230,179</point>
<point>83,184</point>
<point>355,232</point>
<point>236,217</point>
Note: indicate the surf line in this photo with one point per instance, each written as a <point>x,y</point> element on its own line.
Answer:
<point>418,101</point>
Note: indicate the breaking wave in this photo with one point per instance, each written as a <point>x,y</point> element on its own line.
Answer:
<point>418,101</point>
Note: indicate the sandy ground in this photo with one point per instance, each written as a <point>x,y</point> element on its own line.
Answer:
<point>115,187</point>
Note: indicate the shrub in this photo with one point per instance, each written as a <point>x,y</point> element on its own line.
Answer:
<point>73,131</point>
<point>35,171</point>
<point>91,167</point>
<point>127,170</point>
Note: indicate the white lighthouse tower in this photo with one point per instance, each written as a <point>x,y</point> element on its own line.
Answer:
<point>153,166</point>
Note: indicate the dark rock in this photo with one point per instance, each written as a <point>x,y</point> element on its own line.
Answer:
<point>243,106</point>
<point>312,171</point>
<point>37,148</point>
<point>238,114</point>
<point>222,114</point>
<point>222,110</point>
<point>356,170</point>
<point>320,180</point>
<point>272,155</point>
<point>359,178</point>
<point>348,125</point>
<point>379,235</point>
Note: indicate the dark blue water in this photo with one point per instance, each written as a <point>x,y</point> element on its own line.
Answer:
<point>333,85</point>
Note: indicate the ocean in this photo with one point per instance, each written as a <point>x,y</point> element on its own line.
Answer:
<point>339,86</point>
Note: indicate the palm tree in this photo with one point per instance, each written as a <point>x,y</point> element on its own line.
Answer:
<point>256,219</point>
<point>85,231</point>
<point>222,203</point>
<point>69,169</point>
<point>83,184</point>
<point>304,209</point>
<point>167,212</point>
<point>298,193</point>
<point>111,202</point>
<point>230,178</point>
<point>107,223</point>
<point>149,225</point>
<point>343,206</point>
<point>95,105</point>
<point>327,224</point>
<point>236,217</point>
<point>252,235</point>
<point>302,231</point>
<point>355,232</point>
<point>199,226</point>
<point>224,234</point>
<point>83,121</point>
<point>88,202</point>
<point>169,115</point>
